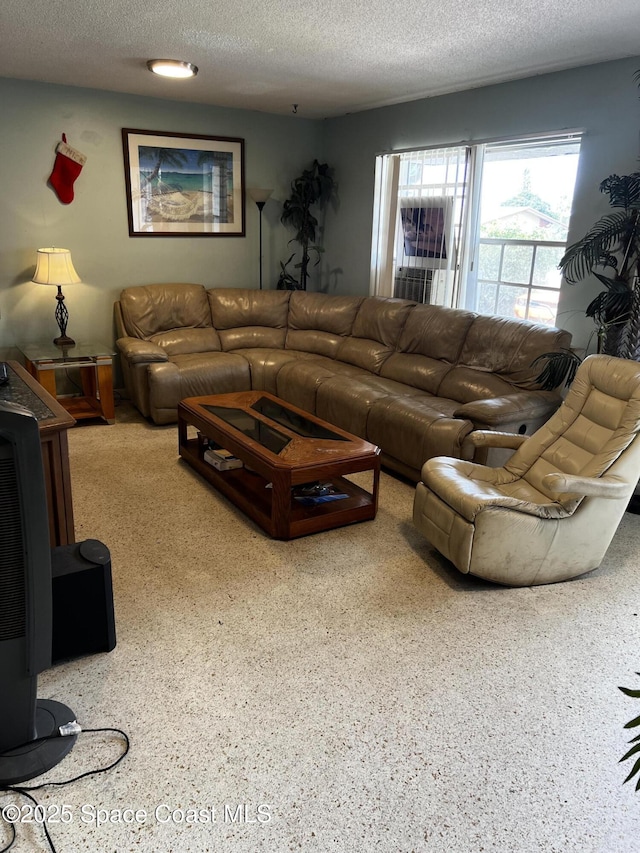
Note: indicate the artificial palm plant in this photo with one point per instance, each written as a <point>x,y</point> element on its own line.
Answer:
<point>313,187</point>
<point>610,251</point>
<point>635,770</point>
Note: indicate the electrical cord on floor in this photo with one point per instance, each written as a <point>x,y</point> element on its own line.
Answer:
<point>78,388</point>
<point>21,790</point>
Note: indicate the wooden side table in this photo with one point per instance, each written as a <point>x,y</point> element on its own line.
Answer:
<point>53,423</point>
<point>95,363</point>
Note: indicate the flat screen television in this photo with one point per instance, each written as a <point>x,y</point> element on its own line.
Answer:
<point>29,744</point>
<point>425,239</point>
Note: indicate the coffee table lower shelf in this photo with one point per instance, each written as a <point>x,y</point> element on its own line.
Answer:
<point>274,509</point>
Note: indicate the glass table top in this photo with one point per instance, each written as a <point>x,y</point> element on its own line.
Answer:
<point>265,434</point>
<point>295,422</point>
<point>48,351</point>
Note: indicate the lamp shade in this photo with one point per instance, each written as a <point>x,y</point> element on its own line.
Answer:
<point>54,266</point>
<point>260,195</point>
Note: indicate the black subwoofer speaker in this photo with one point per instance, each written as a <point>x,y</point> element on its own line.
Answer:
<point>83,617</point>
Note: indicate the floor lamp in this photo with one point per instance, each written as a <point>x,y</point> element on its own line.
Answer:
<point>260,197</point>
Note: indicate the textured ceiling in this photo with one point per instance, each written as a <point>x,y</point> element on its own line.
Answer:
<point>330,57</point>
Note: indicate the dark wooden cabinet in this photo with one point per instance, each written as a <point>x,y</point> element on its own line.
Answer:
<point>53,423</point>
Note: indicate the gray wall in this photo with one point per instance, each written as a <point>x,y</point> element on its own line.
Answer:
<point>94,226</point>
<point>600,99</point>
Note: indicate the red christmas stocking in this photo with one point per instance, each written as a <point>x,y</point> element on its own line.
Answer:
<point>66,169</point>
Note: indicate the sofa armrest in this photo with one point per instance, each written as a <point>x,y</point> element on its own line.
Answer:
<point>602,487</point>
<point>138,351</point>
<point>492,438</point>
<point>522,405</point>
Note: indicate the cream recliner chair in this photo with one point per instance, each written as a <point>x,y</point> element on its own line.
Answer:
<point>551,512</point>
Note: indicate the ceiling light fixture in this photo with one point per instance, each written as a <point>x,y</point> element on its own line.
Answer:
<point>172,68</point>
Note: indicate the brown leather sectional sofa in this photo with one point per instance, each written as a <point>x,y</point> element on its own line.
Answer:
<point>413,379</point>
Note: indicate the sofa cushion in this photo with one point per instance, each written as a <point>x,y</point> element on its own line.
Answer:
<point>376,331</point>
<point>381,319</point>
<point>413,369</point>
<point>154,308</point>
<point>194,375</point>
<point>508,348</point>
<point>348,404</point>
<point>467,384</point>
<point>435,331</point>
<point>313,341</point>
<point>180,341</point>
<point>252,336</point>
<point>265,364</point>
<point>318,323</point>
<point>429,345</point>
<point>299,380</point>
<point>249,318</point>
<point>412,429</point>
<point>211,373</point>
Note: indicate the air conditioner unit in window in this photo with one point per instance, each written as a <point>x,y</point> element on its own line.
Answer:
<point>413,283</point>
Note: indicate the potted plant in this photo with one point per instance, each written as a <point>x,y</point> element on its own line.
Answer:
<point>610,251</point>
<point>314,187</point>
<point>635,770</point>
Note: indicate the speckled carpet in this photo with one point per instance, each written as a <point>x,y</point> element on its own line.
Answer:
<point>349,691</point>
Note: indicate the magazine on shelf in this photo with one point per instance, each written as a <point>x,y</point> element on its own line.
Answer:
<point>307,500</point>
<point>221,459</point>
<point>312,494</point>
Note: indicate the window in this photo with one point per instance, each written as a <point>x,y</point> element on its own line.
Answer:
<point>417,228</point>
<point>480,227</point>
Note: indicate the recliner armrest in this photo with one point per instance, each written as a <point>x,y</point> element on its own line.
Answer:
<point>138,351</point>
<point>602,487</point>
<point>522,405</point>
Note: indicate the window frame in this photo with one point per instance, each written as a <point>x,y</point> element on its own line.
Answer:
<point>463,293</point>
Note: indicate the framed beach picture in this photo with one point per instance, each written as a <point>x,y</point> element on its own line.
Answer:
<point>183,185</point>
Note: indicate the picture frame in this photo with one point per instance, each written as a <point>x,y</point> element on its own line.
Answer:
<point>183,185</point>
<point>425,235</point>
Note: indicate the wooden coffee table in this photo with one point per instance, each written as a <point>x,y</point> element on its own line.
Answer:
<point>282,447</point>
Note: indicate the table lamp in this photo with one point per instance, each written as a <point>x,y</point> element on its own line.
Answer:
<point>54,266</point>
<point>260,197</point>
